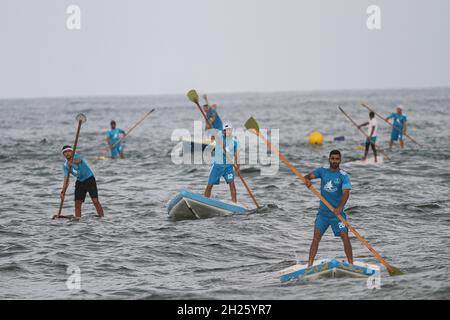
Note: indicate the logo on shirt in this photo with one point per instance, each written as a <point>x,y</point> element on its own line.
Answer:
<point>329,187</point>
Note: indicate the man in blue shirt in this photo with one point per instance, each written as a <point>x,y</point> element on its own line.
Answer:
<point>213,119</point>
<point>85,181</point>
<point>221,166</point>
<point>335,187</point>
<point>399,127</point>
<point>113,137</point>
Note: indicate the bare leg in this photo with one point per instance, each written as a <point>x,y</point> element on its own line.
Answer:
<point>208,190</point>
<point>374,152</point>
<point>391,143</point>
<point>78,204</point>
<point>402,144</point>
<point>347,247</point>
<point>121,155</point>
<point>98,207</point>
<point>233,191</point>
<point>366,153</point>
<point>314,246</point>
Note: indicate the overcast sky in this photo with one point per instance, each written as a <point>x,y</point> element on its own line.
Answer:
<point>128,47</point>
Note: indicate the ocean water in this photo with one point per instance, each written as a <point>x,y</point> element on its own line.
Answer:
<point>136,252</point>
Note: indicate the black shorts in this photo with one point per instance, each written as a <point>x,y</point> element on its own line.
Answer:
<point>83,187</point>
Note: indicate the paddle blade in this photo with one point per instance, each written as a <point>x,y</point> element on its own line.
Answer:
<point>193,96</point>
<point>81,117</point>
<point>251,124</point>
<point>393,271</point>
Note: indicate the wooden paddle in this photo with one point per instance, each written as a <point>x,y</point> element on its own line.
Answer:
<point>193,96</point>
<point>81,118</point>
<point>253,127</point>
<point>411,138</point>
<point>362,131</point>
<point>126,134</point>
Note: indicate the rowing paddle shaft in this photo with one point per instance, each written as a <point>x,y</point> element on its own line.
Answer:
<point>370,109</point>
<point>81,118</point>
<point>362,131</point>
<point>253,127</point>
<point>193,96</point>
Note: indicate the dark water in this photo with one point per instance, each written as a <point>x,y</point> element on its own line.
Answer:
<point>135,252</point>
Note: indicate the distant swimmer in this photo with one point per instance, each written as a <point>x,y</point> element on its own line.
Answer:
<point>400,124</point>
<point>214,125</point>
<point>85,181</point>
<point>113,138</point>
<point>335,187</point>
<point>372,133</point>
<point>221,166</point>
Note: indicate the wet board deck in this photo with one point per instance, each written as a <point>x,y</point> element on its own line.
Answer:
<point>368,161</point>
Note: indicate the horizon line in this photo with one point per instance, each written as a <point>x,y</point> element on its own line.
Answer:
<point>87,96</point>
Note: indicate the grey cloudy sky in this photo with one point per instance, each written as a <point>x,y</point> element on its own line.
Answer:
<point>128,47</point>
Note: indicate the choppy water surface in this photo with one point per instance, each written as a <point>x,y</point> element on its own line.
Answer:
<point>135,252</point>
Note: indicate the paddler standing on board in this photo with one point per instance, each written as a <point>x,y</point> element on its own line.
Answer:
<point>112,138</point>
<point>214,125</point>
<point>222,165</point>
<point>335,187</point>
<point>399,127</point>
<point>85,183</point>
<point>372,133</point>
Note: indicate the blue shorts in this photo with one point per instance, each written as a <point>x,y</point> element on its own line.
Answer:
<point>397,135</point>
<point>221,170</point>
<point>323,221</point>
<point>116,150</point>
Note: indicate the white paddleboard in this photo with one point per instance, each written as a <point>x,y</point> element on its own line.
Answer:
<point>368,161</point>
<point>328,268</point>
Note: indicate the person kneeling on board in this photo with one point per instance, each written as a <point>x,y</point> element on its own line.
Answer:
<point>221,167</point>
<point>113,137</point>
<point>335,187</point>
<point>372,133</point>
<point>85,181</point>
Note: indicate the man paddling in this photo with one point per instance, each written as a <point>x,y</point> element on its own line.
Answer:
<point>335,187</point>
<point>372,133</point>
<point>399,127</point>
<point>214,120</point>
<point>221,167</point>
<point>113,137</point>
<point>85,181</point>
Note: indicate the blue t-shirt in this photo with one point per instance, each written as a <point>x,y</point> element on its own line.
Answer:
<point>331,187</point>
<point>217,124</point>
<point>114,135</point>
<point>79,170</point>
<point>231,145</point>
<point>399,120</point>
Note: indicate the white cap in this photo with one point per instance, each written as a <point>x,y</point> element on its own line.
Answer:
<point>227,126</point>
<point>67,148</point>
<point>400,106</point>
